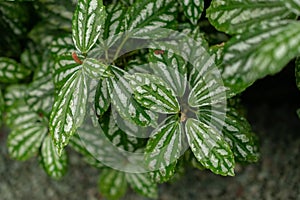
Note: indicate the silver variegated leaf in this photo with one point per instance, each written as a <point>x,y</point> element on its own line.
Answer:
<point>163,174</point>
<point>94,69</point>
<point>69,110</point>
<point>112,183</point>
<point>61,45</point>
<point>236,130</point>
<point>55,165</point>
<point>122,98</point>
<point>87,22</point>
<point>297,72</point>
<point>143,19</point>
<point>153,93</point>
<point>293,5</point>
<point>78,145</point>
<point>142,184</point>
<point>27,132</point>
<point>65,66</point>
<point>192,9</point>
<point>12,71</point>
<point>252,56</point>
<point>210,148</point>
<point>40,93</point>
<point>165,145</point>
<point>31,58</point>
<point>13,94</point>
<point>121,137</point>
<point>208,90</point>
<point>171,68</point>
<point>236,16</point>
<point>102,98</point>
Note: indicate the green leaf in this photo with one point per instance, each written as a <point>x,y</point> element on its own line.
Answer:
<point>55,165</point>
<point>94,69</point>
<point>192,9</point>
<point>30,57</point>
<point>207,91</point>
<point>27,133</point>
<point>122,99</point>
<point>254,55</point>
<point>297,72</point>
<point>68,110</point>
<point>236,16</point>
<point>165,145</point>
<point>11,71</point>
<point>112,184</point>
<point>14,94</point>
<point>293,5</point>
<point>171,68</point>
<point>64,68</point>
<point>2,106</point>
<point>144,19</point>
<point>87,22</point>
<point>102,98</point>
<point>236,130</point>
<point>210,148</point>
<point>142,184</point>
<point>153,93</point>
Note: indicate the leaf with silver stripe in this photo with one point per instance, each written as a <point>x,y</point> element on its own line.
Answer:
<point>293,5</point>
<point>252,56</point>
<point>165,145</point>
<point>153,93</point>
<point>87,22</point>
<point>95,69</point>
<point>210,148</point>
<point>68,110</point>
<point>27,133</point>
<point>12,71</point>
<point>122,99</point>
<point>102,98</point>
<point>142,184</point>
<point>64,68</point>
<point>144,18</point>
<point>192,9</point>
<point>236,130</point>
<point>61,45</point>
<point>171,68</point>
<point>55,165</point>
<point>163,174</point>
<point>112,183</point>
<point>236,16</point>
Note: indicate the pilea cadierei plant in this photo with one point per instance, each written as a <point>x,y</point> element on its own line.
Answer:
<point>142,89</point>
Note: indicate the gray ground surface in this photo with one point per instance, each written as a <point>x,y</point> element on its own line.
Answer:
<point>275,176</point>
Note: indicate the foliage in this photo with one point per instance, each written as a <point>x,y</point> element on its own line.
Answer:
<point>139,88</point>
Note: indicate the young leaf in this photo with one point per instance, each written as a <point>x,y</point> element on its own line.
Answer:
<point>142,184</point>
<point>236,16</point>
<point>94,69</point>
<point>87,22</point>
<point>122,99</point>
<point>27,133</point>
<point>165,145</point>
<point>171,68</point>
<point>293,5</point>
<point>144,18</point>
<point>68,110</point>
<point>64,68</point>
<point>210,148</point>
<point>11,71</point>
<point>112,184</point>
<point>54,165</point>
<point>255,55</point>
<point>102,98</point>
<point>153,93</point>
<point>192,9</point>
<point>236,131</point>
<point>207,91</point>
